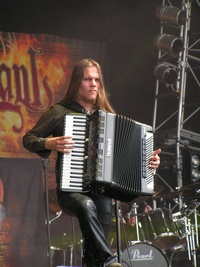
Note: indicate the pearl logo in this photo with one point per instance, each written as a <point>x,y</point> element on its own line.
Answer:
<point>136,256</point>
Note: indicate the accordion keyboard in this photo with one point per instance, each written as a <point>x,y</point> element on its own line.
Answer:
<point>73,163</point>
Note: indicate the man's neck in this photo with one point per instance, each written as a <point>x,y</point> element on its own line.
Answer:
<point>87,106</point>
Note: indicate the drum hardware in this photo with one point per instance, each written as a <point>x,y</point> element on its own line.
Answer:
<point>60,245</point>
<point>190,231</point>
<point>157,190</point>
<point>133,214</point>
<point>131,231</point>
<point>164,182</point>
<point>127,232</point>
<point>134,211</point>
<point>194,211</point>
<point>64,254</point>
<point>197,191</point>
<point>177,196</point>
<point>188,237</point>
<point>58,214</point>
<point>191,247</point>
<point>174,195</point>
<point>180,223</point>
<point>193,242</point>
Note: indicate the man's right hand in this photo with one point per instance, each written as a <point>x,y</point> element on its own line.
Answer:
<point>63,144</point>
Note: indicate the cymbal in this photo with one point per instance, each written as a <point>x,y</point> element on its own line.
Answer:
<point>139,200</point>
<point>158,189</point>
<point>192,191</point>
<point>176,193</point>
<point>191,186</point>
<point>61,242</point>
<point>171,195</point>
<point>125,207</point>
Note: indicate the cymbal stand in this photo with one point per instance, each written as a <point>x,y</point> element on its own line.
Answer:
<point>188,236</point>
<point>193,247</point>
<point>58,214</point>
<point>134,211</point>
<point>71,254</point>
<point>178,202</point>
<point>45,162</point>
<point>196,225</point>
<point>194,210</point>
<point>190,241</point>
<point>154,202</point>
<point>158,175</point>
<point>194,237</point>
<point>118,232</point>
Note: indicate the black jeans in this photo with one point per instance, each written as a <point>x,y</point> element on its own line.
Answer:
<point>94,213</point>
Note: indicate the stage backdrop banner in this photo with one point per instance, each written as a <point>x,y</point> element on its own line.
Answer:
<point>22,216</point>
<point>35,70</point>
<point>34,73</point>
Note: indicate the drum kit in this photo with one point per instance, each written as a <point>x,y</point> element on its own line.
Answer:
<point>163,236</point>
<point>151,236</point>
<point>65,242</point>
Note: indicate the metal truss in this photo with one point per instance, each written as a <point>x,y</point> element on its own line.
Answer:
<point>176,106</point>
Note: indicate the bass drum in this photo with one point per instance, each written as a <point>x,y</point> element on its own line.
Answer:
<point>145,255</point>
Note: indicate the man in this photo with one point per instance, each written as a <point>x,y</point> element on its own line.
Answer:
<point>86,93</point>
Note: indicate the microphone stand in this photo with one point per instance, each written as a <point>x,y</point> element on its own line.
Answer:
<point>45,162</point>
<point>118,230</point>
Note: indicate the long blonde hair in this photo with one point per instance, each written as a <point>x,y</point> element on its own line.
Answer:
<point>76,78</point>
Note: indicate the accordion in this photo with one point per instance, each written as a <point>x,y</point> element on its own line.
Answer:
<point>110,156</point>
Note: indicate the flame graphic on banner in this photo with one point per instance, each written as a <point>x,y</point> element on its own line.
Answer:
<point>34,73</point>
